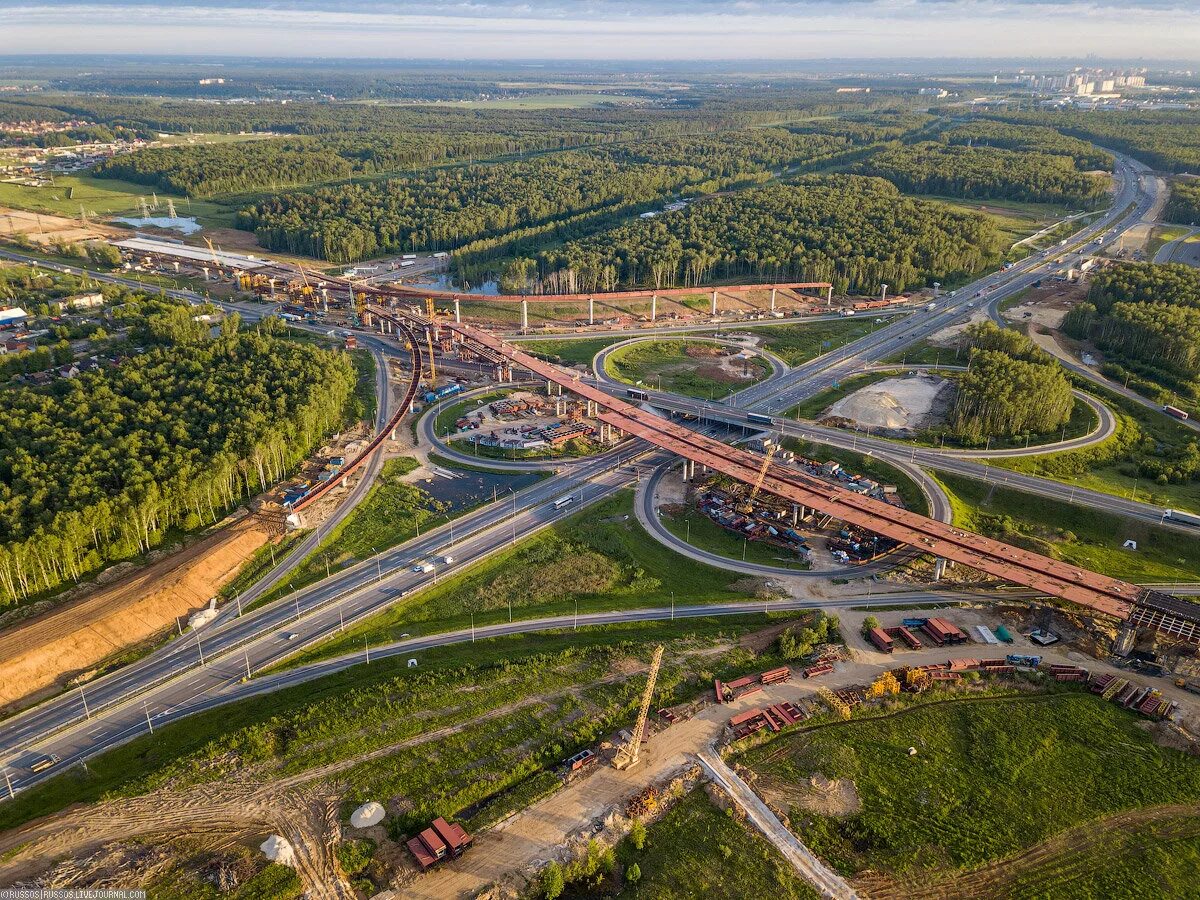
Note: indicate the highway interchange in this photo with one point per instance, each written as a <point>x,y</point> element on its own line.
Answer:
<point>203,669</point>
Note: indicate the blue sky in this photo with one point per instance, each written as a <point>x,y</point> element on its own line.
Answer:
<point>610,29</point>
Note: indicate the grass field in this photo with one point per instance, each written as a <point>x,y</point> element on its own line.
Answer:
<point>1115,472</point>
<point>390,514</point>
<point>600,559</point>
<point>990,777</point>
<point>796,344</point>
<point>703,533</point>
<point>106,197</point>
<point>572,679</point>
<point>698,852</point>
<point>572,352</point>
<point>1077,534</point>
<point>1163,234</point>
<point>678,366</point>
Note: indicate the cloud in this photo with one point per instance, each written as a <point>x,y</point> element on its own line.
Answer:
<point>612,29</point>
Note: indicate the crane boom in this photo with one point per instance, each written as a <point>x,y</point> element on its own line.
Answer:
<point>628,754</point>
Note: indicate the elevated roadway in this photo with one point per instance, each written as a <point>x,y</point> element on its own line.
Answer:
<point>1106,595</point>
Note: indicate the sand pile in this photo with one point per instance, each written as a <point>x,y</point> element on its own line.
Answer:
<point>367,815</point>
<point>278,850</point>
<point>896,404</point>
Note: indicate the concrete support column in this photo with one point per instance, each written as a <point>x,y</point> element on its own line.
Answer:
<point>457,312</point>
<point>524,315</point>
<point>549,387</point>
<point>653,307</point>
<point>204,269</point>
<point>714,303</point>
<point>772,299</point>
<point>883,294</point>
<point>795,515</point>
<point>591,311</point>
<point>271,282</point>
<point>829,297</point>
<point>939,569</point>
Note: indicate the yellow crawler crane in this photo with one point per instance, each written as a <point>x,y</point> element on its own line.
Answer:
<point>628,753</point>
<point>834,702</point>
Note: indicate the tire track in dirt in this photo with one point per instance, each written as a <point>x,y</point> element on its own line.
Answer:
<point>1067,856</point>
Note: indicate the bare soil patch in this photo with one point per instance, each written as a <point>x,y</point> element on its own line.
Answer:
<point>44,651</point>
<point>898,404</point>
<point>47,229</point>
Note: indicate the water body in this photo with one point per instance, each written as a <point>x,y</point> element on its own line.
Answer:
<point>445,282</point>
<point>186,225</point>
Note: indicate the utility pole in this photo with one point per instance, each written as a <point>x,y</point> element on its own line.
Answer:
<point>146,710</point>
<point>83,697</point>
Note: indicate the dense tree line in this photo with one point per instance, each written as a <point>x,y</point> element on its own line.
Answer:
<point>447,208</point>
<point>852,231</point>
<point>984,173</point>
<point>1167,140</point>
<point>205,170</point>
<point>1148,317</point>
<point>97,468</point>
<point>1184,205</point>
<point>1030,139</point>
<point>1011,387</point>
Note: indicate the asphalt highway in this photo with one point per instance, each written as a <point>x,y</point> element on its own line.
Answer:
<point>108,711</point>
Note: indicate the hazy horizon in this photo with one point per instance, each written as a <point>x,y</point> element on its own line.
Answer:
<point>617,30</point>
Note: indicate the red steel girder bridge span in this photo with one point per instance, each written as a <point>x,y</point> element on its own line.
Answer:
<point>1100,593</point>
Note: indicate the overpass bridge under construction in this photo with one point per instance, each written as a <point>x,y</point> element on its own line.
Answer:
<point>1099,593</point>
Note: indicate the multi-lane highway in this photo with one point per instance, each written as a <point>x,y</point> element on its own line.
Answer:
<point>175,680</point>
<point>110,710</point>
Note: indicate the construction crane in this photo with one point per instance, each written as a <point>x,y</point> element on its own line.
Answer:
<point>747,505</point>
<point>628,754</point>
<point>216,261</point>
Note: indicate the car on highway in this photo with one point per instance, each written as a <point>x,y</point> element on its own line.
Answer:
<point>290,635</point>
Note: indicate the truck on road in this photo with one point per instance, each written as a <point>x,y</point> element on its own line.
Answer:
<point>1183,518</point>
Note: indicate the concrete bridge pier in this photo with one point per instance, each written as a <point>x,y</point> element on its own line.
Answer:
<point>457,312</point>
<point>524,316</point>
<point>772,299</point>
<point>653,307</point>
<point>714,303</point>
<point>939,569</point>
<point>829,297</point>
<point>591,311</point>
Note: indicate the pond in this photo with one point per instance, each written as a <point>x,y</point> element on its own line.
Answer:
<point>183,224</point>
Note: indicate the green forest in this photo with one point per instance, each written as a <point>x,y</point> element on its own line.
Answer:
<point>1167,140</point>
<point>1011,387</point>
<point>98,468</point>
<point>852,231</point>
<point>1184,205</point>
<point>983,172</point>
<point>1147,317</point>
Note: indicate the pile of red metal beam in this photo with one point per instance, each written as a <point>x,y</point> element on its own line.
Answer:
<point>905,635</point>
<point>440,841</point>
<point>942,632</point>
<point>1068,673</point>
<point>1147,701</point>
<point>818,670</point>
<point>749,684</point>
<point>776,718</point>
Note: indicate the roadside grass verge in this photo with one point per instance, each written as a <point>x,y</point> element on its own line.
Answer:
<point>1111,466</point>
<point>368,708</point>
<point>990,777</point>
<point>599,559</point>
<point>796,344</point>
<point>667,365</point>
<point>390,514</point>
<point>698,852</point>
<point>1086,537</point>
<point>570,352</point>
